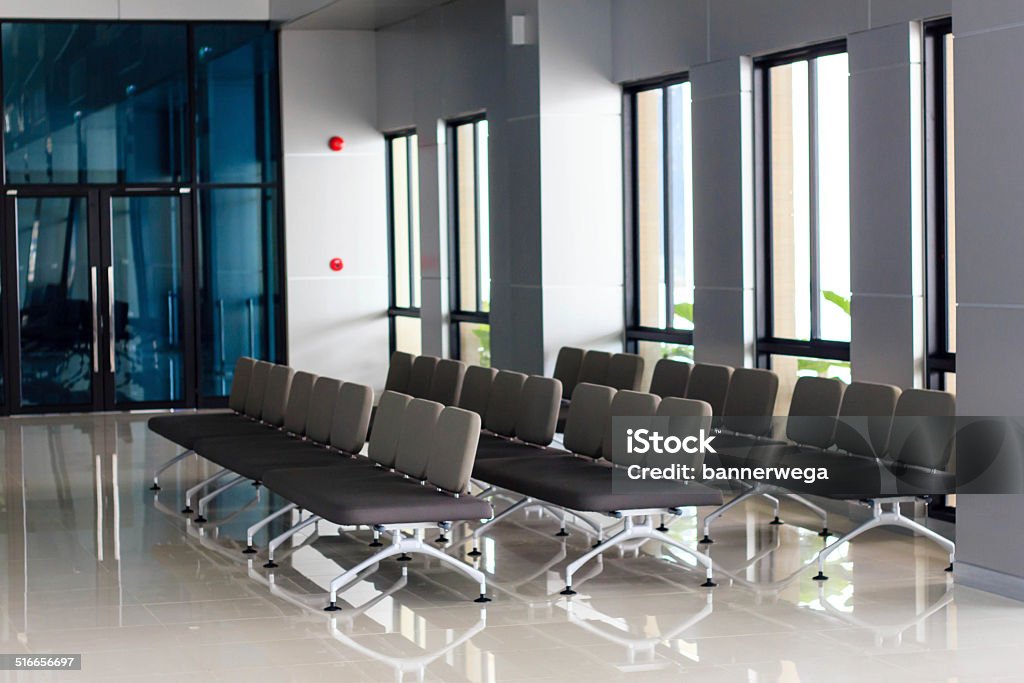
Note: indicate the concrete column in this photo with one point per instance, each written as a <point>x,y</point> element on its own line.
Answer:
<point>434,294</point>
<point>580,130</point>
<point>886,232</point>
<point>988,53</point>
<point>723,212</point>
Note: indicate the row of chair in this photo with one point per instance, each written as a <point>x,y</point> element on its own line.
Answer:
<point>300,435</point>
<point>864,433</point>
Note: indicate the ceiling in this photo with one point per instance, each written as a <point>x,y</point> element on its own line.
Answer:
<point>347,14</point>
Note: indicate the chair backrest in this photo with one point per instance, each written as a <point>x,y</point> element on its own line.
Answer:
<point>387,427</point>
<point>567,368</point>
<point>626,403</point>
<point>279,383</point>
<point>399,370</point>
<point>240,383</point>
<point>351,418</point>
<point>257,389</point>
<point>538,410</point>
<point>813,411</point>
<point>453,449</point>
<point>421,376</point>
<point>709,383</point>
<point>686,418</point>
<point>446,384</point>
<point>584,427</point>
<point>476,389</point>
<point>321,409</point>
<point>670,378</point>
<point>297,411</point>
<point>419,429</point>
<point>625,371</point>
<point>503,405</point>
<point>594,368</point>
<point>923,428</point>
<point>865,418</point>
<point>750,401</point>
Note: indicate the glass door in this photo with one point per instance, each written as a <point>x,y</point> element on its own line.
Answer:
<point>53,286</point>
<point>148,300</point>
<point>99,292</point>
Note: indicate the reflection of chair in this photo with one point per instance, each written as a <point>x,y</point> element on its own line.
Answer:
<point>417,666</point>
<point>642,652</point>
<point>893,631</point>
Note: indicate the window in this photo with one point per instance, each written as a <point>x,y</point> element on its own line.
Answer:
<point>470,249</point>
<point>404,241</point>
<point>804,251</point>
<point>65,126</point>
<point>238,210</point>
<point>940,209</point>
<point>659,232</point>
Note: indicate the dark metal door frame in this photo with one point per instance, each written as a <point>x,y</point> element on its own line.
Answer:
<point>98,230</point>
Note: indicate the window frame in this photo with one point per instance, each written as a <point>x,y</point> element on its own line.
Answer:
<point>394,310</point>
<point>767,344</point>
<point>938,359</point>
<point>458,315</point>
<point>634,332</point>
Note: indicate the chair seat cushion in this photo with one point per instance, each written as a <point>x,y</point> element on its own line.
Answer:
<point>588,486</point>
<point>496,447</point>
<point>331,493</point>
<point>185,430</point>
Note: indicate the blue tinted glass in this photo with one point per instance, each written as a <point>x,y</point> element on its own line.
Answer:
<point>149,350</point>
<point>54,301</point>
<point>236,67</point>
<point>239,293</point>
<point>95,102</point>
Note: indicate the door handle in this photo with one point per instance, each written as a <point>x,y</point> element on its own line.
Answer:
<point>95,321</point>
<point>110,317</point>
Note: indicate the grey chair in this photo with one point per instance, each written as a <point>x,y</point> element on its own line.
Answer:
<point>476,389</point>
<point>594,368</point>
<point>186,428</point>
<point>750,401</point>
<point>709,383</point>
<point>567,369</point>
<point>504,402</point>
<point>421,376</point>
<point>625,371</point>
<point>670,378</point>
<point>399,370</point>
<point>446,384</point>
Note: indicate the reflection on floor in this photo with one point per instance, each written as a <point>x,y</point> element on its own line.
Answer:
<point>96,564</point>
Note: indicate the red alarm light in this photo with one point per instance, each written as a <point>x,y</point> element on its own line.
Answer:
<point>337,264</point>
<point>336,143</point>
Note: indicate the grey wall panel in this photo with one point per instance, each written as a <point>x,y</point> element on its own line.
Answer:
<point>656,37</point>
<point>990,215</point>
<point>750,27</point>
<point>887,343</point>
<point>723,329</point>
<point>990,167</point>
<point>334,204</point>
<point>886,12</point>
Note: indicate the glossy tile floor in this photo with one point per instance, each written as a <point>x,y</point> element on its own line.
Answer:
<point>96,564</point>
